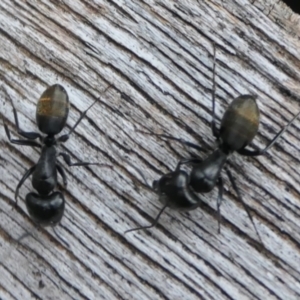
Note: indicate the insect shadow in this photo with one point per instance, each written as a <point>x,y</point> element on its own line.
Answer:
<point>46,207</point>
<point>239,126</point>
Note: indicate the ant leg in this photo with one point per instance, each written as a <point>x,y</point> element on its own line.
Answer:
<point>219,202</point>
<point>67,159</point>
<point>151,225</point>
<point>271,143</point>
<point>65,137</point>
<point>62,173</point>
<point>182,141</point>
<point>19,142</point>
<point>130,164</point>
<point>27,134</point>
<point>214,129</point>
<point>25,176</point>
<point>232,180</point>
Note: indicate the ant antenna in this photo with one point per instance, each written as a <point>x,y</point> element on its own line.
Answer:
<point>27,233</point>
<point>60,238</point>
<point>23,236</point>
<point>154,223</point>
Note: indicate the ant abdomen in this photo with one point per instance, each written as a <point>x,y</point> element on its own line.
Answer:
<point>52,110</point>
<point>240,123</point>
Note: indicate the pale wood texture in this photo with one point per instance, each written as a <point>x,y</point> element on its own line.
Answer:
<point>158,57</point>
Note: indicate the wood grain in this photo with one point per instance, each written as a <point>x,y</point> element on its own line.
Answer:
<point>157,55</point>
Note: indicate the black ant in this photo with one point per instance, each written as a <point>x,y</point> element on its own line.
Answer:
<point>46,207</point>
<point>239,126</point>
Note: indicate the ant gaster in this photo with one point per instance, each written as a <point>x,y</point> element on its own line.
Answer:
<point>239,126</point>
<point>46,207</point>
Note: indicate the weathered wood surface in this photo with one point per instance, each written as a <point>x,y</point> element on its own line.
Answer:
<point>158,57</point>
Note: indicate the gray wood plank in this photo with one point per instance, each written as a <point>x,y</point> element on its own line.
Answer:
<point>157,55</point>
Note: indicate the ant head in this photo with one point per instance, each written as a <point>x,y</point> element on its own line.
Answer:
<point>46,210</point>
<point>170,183</point>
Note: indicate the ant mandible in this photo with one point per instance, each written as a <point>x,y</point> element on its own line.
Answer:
<point>46,207</point>
<point>239,126</point>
